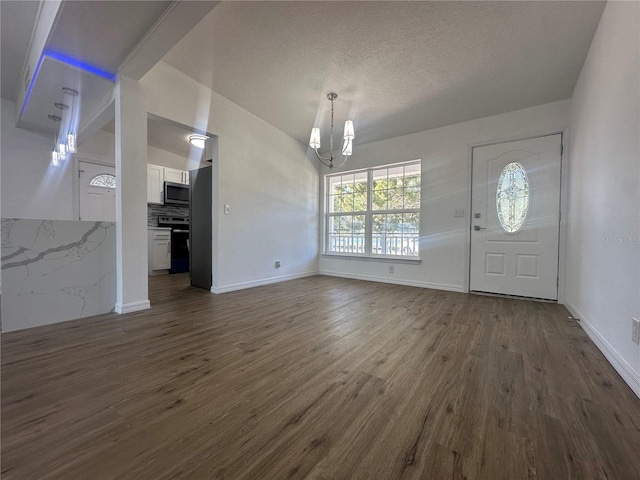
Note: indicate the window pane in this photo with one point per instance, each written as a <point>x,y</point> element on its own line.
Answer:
<point>334,185</point>
<point>512,197</point>
<point>395,234</point>
<point>380,200</point>
<point>347,203</point>
<point>347,234</point>
<point>395,199</point>
<point>360,193</point>
<point>333,204</point>
<point>412,197</point>
<point>395,172</point>
<point>358,224</point>
<point>105,180</point>
<point>410,170</point>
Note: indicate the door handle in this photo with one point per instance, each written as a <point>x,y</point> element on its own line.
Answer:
<point>478,228</point>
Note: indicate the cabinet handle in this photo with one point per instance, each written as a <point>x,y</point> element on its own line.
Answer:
<point>168,249</point>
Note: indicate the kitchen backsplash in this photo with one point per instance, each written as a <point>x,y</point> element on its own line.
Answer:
<point>153,211</point>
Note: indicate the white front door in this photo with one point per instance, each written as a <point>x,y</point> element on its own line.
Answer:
<point>97,192</point>
<point>515,210</point>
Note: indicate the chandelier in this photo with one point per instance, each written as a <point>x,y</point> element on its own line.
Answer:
<point>347,148</point>
<point>65,143</point>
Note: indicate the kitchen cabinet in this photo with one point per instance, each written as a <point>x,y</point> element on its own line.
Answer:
<point>157,175</point>
<point>176,176</point>
<point>155,184</point>
<point>159,250</point>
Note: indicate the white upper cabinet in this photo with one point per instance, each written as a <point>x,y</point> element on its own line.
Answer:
<point>155,184</point>
<point>157,175</point>
<point>172,175</point>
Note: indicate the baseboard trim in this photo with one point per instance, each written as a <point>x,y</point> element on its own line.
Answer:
<point>408,283</point>
<point>626,371</point>
<point>258,283</point>
<point>132,307</point>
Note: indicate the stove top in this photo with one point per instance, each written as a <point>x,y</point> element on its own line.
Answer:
<point>166,221</point>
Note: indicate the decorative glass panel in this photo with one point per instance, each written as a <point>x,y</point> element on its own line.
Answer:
<point>104,180</point>
<point>512,197</point>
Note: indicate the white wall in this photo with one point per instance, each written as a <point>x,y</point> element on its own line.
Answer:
<point>446,162</point>
<point>603,260</point>
<point>101,148</point>
<point>31,187</point>
<point>261,172</point>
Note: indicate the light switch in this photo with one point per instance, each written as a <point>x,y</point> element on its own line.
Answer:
<point>227,209</point>
<point>459,213</point>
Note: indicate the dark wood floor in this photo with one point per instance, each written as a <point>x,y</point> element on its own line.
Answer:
<point>319,378</point>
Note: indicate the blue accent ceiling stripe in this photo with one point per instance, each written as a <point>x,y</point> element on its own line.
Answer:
<point>80,65</point>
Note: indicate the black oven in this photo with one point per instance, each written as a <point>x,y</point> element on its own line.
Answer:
<point>179,242</point>
<point>179,251</point>
<point>176,193</point>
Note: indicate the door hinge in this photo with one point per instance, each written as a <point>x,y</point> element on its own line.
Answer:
<point>561,149</point>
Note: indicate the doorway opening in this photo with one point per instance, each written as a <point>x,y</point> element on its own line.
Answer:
<point>179,203</point>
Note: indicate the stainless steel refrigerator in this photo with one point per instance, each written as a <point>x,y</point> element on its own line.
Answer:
<point>200,232</point>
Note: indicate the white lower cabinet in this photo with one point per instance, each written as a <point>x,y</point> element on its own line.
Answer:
<point>159,250</point>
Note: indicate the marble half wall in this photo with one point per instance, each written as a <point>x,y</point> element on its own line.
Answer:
<point>56,270</point>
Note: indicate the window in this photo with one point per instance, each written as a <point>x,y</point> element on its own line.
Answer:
<point>104,180</point>
<point>374,212</point>
<point>512,197</point>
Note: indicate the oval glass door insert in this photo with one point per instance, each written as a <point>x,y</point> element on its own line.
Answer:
<point>512,197</point>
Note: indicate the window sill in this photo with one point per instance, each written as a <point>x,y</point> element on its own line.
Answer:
<point>377,258</point>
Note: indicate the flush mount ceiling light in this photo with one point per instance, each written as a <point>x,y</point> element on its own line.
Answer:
<point>61,106</point>
<point>198,141</point>
<point>349,135</point>
<point>54,118</point>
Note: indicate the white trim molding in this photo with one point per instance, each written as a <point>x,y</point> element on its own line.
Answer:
<point>408,283</point>
<point>132,307</point>
<point>626,371</point>
<point>258,283</point>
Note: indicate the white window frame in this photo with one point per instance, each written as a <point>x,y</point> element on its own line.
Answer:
<point>368,214</point>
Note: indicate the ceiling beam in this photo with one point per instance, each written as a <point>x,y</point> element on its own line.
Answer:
<point>178,20</point>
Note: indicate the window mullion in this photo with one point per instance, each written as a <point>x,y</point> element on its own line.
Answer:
<point>327,193</point>
<point>368,218</point>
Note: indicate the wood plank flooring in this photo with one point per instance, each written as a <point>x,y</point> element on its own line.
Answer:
<point>319,378</point>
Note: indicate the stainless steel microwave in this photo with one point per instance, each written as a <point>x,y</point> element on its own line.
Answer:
<point>176,193</point>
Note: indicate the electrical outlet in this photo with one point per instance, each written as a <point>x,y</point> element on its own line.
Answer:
<point>277,263</point>
<point>227,209</point>
<point>391,269</point>
<point>635,331</point>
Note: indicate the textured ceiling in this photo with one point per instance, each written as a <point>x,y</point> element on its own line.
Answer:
<point>398,67</point>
